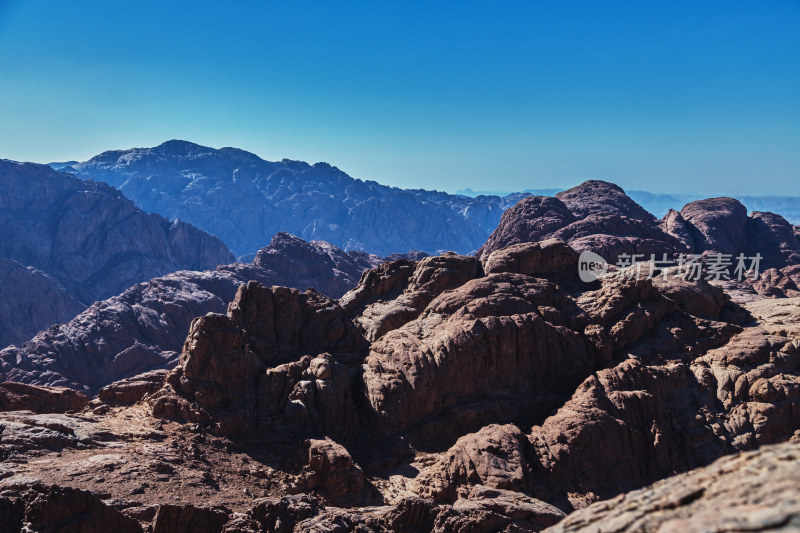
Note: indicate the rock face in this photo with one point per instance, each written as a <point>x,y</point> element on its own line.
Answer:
<point>81,241</point>
<point>595,197</point>
<point>131,390</point>
<point>532,219</point>
<point>62,509</point>
<point>143,328</point>
<point>498,339</point>
<point>716,224</point>
<point>89,237</point>
<point>754,491</point>
<point>244,200</point>
<point>31,302</point>
<point>595,216</point>
<point>21,397</point>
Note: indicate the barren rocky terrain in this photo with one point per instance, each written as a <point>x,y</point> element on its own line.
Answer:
<point>143,328</point>
<point>495,392</point>
<point>448,394</point>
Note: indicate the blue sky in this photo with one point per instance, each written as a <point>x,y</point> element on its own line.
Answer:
<point>682,96</point>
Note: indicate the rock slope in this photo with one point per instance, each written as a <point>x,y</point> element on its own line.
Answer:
<point>88,240</point>
<point>31,301</point>
<point>754,491</point>
<point>144,327</point>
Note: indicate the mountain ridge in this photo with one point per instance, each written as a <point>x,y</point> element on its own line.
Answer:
<point>244,200</point>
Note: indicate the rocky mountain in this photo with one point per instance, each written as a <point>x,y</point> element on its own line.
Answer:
<point>31,301</point>
<point>244,200</point>
<point>68,242</point>
<point>446,394</point>
<point>660,204</point>
<point>598,216</point>
<point>144,327</point>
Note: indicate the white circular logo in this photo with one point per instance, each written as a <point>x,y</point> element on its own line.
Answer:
<point>591,266</point>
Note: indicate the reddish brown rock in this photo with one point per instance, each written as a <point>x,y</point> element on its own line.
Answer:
<point>221,377</point>
<point>378,313</point>
<point>332,473</point>
<point>596,197</point>
<point>717,224</point>
<point>57,509</point>
<point>538,259</point>
<point>497,339</point>
<point>674,224</point>
<point>532,219</point>
<point>22,397</point>
<point>495,457</point>
<point>772,237</point>
<point>189,519</point>
<point>131,390</point>
<point>483,506</point>
<point>754,491</point>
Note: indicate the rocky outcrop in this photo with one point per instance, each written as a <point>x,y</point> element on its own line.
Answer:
<point>55,508</point>
<point>243,200</point>
<point>222,374</point>
<point>532,219</point>
<point>716,224</point>
<point>467,464</point>
<point>595,197</point>
<point>391,296</point>
<point>538,259</point>
<point>189,519</point>
<point>754,491</point>
<point>595,216</point>
<point>774,238</point>
<point>489,346</point>
<point>89,237</point>
<point>635,423</point>
<point>21,397</point>
<point>131,390</point>
<point>331,472</point>
<point>143,328</point>
<point>607,222</point>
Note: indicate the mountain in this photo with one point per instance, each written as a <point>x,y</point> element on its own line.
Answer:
<point>600,217</point>
<point>31,301</point>
<point>660,204</point>
<point>446,394</point>
<point>244,200</point>
<point>79,241</point>
<point>143,328</point>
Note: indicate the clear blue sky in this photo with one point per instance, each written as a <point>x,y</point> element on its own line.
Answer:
<point>679,96</point>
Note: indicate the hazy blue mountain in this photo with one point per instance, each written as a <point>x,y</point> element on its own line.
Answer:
<point>68,242</point>
<point>245,200</point>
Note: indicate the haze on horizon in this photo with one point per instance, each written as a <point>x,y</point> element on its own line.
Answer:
<point>677,97</point>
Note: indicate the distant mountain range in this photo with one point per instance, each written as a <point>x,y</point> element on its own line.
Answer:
<point>245,200</point>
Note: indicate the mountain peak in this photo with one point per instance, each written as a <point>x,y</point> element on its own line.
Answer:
<point>597,197</point>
